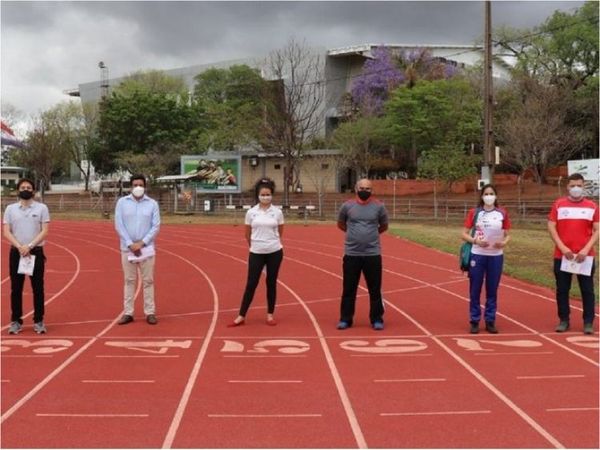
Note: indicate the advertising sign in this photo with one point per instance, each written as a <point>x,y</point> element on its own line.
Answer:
<point>213,173</point>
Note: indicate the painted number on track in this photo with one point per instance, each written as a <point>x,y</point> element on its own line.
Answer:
<point>584,341</point>
<point>155,347</point>
<point>44,347</point>
<point>476,345</point>
<point>285,346</point>
<point>384,346</point>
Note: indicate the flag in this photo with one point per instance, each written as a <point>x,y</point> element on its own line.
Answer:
<point>8,136</point>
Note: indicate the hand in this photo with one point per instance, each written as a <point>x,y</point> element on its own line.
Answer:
<point>500,244</point>
<point>580,257</point>
<point>568,254</point>
<point>24,250</point>
<point>483,243</point>
<point>135,248</point>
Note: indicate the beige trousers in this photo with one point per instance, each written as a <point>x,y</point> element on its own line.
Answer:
<point>130,271</point>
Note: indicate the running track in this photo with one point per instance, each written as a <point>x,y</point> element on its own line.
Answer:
<point>191,382</point>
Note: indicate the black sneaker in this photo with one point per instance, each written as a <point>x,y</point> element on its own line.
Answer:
<point>562,326</point>
<point>490,327</point>
<point>474,328</point>
<point>588,328</point>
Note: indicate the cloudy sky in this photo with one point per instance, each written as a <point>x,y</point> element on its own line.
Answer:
<point>47,47</point>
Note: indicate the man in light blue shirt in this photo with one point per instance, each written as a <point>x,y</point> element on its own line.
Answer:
<point>137,221</point>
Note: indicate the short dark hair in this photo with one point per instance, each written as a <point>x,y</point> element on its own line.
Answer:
<point>137,176</point>
<point>25,180</point>
<point>264,183</point>
<point>575,176</point>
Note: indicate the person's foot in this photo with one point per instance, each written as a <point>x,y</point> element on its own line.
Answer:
<point>588,328</point>
<point>238,322</point>
<point>562,326</point>
<point>39,327</point>
<point>378,326</point>
<point>490,327</point>
<point>342,325</point>
<point>474,328</point>
<point>15,328</point>
<point>271,321</point>
<point>151,319</point>
<point>125,319</point>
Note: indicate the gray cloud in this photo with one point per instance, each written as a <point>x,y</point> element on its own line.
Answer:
<point>51,46</point>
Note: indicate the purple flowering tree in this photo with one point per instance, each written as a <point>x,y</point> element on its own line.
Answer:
<point>372,87</point>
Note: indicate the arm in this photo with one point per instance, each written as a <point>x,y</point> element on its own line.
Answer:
<point>248,234</point>
<point>342,226</point>
<point>591,243</point>
<point>41,235</point>
<point>23,249</point>
<point>120,224</point>
<point>280,230</point>
<point>566,251</point>
<point>383,227</point>
<point>155,226</point>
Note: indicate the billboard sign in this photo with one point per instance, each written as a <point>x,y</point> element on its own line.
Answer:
<point>590,169</point>
<point>213,173</point>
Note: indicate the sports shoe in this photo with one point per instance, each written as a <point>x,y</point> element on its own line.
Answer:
<point>588,328</point>
<point>15,328</point>
<point>490,327</point>
<point>562,326</point>
<point>378,326</point>
<point>125,320</point>
<point>39,328</point>
<point>151,319</point>
<point>342,325</point>
<point>474,328</point>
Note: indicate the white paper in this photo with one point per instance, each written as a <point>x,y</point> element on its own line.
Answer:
<point>572,266</point>
<point>147,252</point>
<point>493,235</point>
<point>26,265</point>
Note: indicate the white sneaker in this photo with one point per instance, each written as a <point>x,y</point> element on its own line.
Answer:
<point>39,328</point>
<point>15,328</point>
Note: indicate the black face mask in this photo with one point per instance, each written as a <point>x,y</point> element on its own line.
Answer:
<point>363,195</point>
<point>26,195</point>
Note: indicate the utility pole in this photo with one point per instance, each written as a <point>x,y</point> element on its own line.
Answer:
<point>487,170</point>
<point>103,79</point>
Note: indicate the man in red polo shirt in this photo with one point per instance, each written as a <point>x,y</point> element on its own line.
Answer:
<point>573,225</point>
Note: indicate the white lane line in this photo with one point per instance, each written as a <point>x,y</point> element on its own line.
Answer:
<point>572,409</point>
<point>89,415</point>
<point>411,380</point>
<point>65,287</point>
<point>27,356</point>
<point>236,416</point>
<point>391,355</point>
<point>137,356</point>
<point>544,377</point>
<point>264,356</point>
<point>187,392</point>
<point>5,280</point>
<point>4,381</point>
<point>264,381</point>
<point>118,381</point>
<point>513,353</point>
<point>436,413</point>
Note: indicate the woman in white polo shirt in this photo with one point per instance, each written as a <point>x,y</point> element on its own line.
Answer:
<point>487,256</point>
<point>264,228</point>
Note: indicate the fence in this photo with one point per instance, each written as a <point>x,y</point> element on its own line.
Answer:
<point>399,208</point>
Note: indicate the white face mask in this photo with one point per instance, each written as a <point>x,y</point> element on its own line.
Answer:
<point>138,191</point>
<point>489,199</point>
<point>576,191</point>
<point>265,199</point>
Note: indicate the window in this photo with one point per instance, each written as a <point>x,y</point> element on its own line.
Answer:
<point>324,166</point>
<point>277,166</point>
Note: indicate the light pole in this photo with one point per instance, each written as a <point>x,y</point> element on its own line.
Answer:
<point>103,79</point>
<point>487,170</point>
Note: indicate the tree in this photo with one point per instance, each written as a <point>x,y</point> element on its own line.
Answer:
<point>229,109</point>
<point>294,105</point>
<point>372,87</point>
<point>447,162</point>
<point>432,113</point>
<point>323,169</point>
<point>535,134</point>
<point>363,141</point>
<point>136,120</point>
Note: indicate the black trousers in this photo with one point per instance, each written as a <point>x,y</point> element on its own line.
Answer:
<point>256,262</point>
<point>370,267</point>
<point>563,286</point>
<point>18,280</point>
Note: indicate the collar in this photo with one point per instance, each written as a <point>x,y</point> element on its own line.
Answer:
<point>571,199</point>
<point>132,197</point>
<point>366,202</point>
<point>26,206</point>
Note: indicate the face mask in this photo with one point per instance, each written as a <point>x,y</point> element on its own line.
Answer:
<point>138,191</point>
<point>264,199</point>
<point>576,191</point>
<point>489,199</point>
<point>363,195</point>
<point>26,195</point>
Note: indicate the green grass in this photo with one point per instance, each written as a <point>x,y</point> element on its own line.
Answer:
<point>528,255</point>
